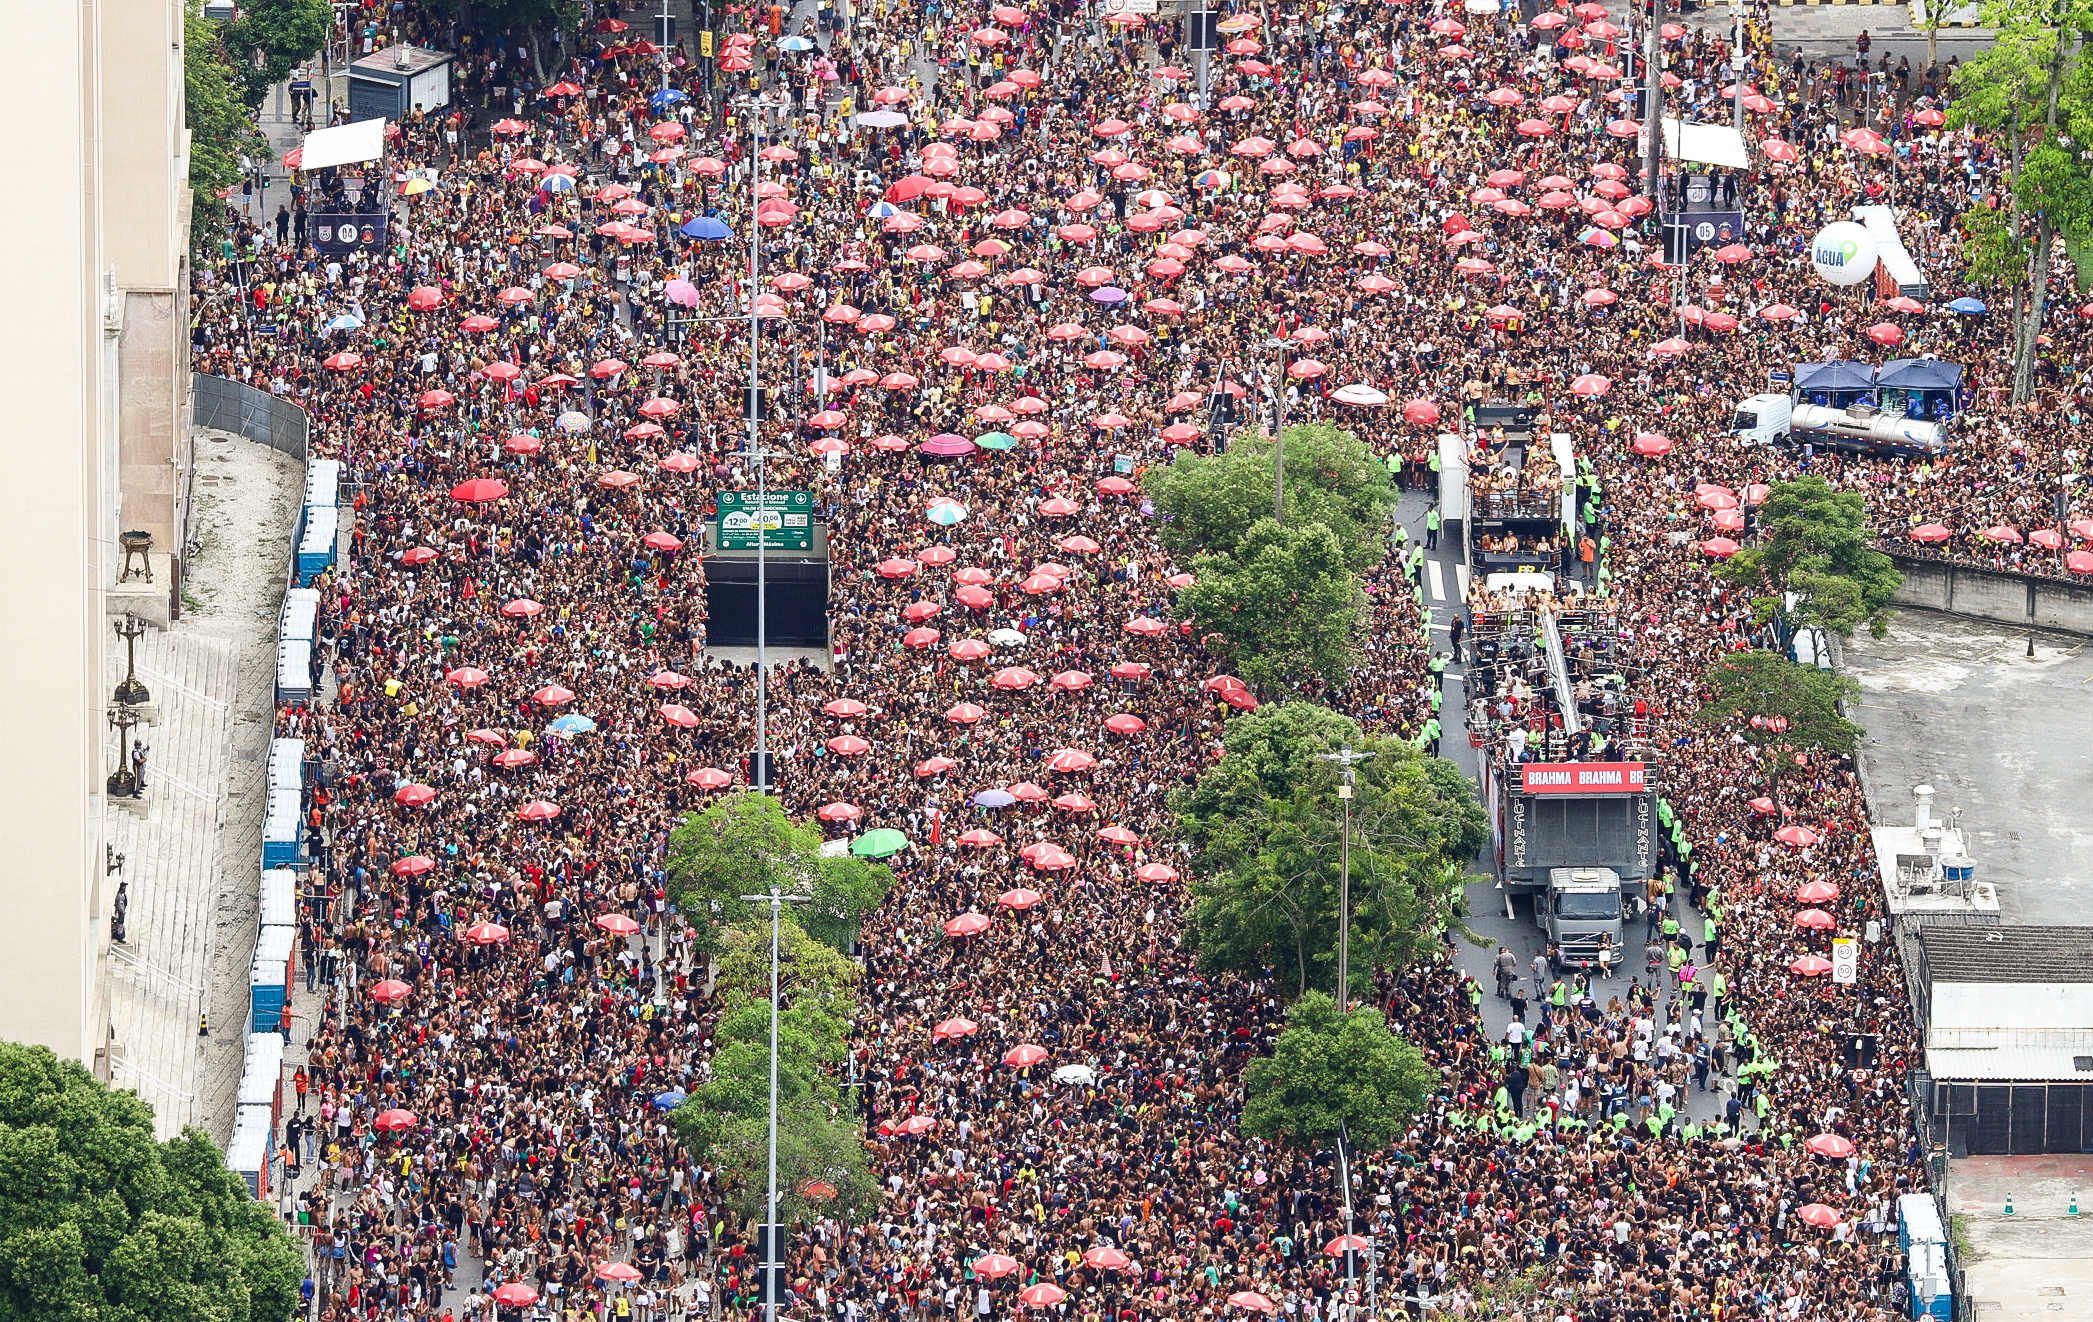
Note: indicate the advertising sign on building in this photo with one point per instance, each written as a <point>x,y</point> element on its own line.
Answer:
<point>786,517</point>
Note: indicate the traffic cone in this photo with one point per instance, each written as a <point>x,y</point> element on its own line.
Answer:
<point>2009,1204</point>
<point>2074,1203</point>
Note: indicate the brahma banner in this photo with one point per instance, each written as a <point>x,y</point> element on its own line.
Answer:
<point>1582,778</point>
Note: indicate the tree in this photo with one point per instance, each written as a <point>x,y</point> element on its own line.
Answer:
<point>98,1221</point>
<point>271,37</point>
<point>220,130</point>
<point>1266,827</point>
<point>1282,608</point>
<point>1803,700</point>
<point>2030,90</point>
<point>725,1120</point>
<point>744,844</point>
<point>1210,502</point>
<point>1333,1073</point>
<point>1815,544</point>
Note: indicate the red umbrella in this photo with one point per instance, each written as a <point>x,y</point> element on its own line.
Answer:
<point>919,1124</point>
<point>952,1029</point>
<point>839,812</point>
<point>964,713</point>
<point>1118,835</point>
<point>675,713</point>
<point>414,865</point>
<point>1811,966</point>
<point>990,1266</point>
<point>1043,1295</point>
<point>1722,548</point>
<point>848,745</point>
<point>1347,1244</point>
<point>1026,792</point>
<point>1106,1258</point>
<point>538,810</point>
<point>1071,760</point>
<point>616,924</point>
<point>1815,919</point>
<point>394,1121</point>
<point>619,1271</point>
<point>980,838</point>
<point>1156,872</point>
<point>1254,1301</point>
<point>1802,837</point>
<point>389,991</point>
<point>1014,678</point>
<point>1817,1214</point>
<point>1818,892</point>
<point>1125,723</point>
<point>967,924</point>
<point>1930,532</point>
<point>1023,897</point>
<point>413,796</point>
<point>516,1294</point>
<point>1074,802</point>
<point>1836,1146</point>
<point>467,677</point>
<point>710,778</point>
<point>1024,1056</point>
<point>522,608</point>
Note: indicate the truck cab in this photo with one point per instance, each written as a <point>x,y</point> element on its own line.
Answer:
<point>1762,419</point>
<point>1581,913</point>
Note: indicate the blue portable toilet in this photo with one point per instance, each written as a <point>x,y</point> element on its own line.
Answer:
<point>279,901</point>
<point>293,671</point>
<point>269,977</point>
<point>316,544</point>
<point>283,831</point>
<point>301,614</point>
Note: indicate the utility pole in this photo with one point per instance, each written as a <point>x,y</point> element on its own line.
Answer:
<point>1737,61</point>
<point>772,1266</point>
<point>1653,100</point>
<point>759,111</point>
<point>1346,759</point>
<point>1279,432</point>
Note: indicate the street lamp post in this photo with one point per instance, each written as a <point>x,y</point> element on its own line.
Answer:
<point>1279,431</point>
<point>1346,759</point>
<point>772,1265</point>
<point>759,114</point>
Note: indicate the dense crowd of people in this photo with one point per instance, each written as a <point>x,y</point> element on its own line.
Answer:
<point>1003,260</point>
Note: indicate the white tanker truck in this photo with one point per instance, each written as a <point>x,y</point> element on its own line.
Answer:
<point>1768,419</point>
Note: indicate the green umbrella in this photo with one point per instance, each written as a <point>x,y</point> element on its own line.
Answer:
<point>996,440</point>
<point>881,843</point>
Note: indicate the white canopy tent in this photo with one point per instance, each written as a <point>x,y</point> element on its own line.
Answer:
<point>1708,144</point>
<point>348,144</point>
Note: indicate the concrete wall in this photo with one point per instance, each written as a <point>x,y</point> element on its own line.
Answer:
<point>59,496</point>
<point>2022,600</point>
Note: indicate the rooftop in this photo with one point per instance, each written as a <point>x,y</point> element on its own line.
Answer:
<point>2008,954</point>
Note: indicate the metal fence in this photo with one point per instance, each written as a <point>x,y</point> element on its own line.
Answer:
<point>228,405</point>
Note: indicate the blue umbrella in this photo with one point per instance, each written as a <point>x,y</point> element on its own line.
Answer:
<point>1969,306</point>
<point>346,321</point>
<point>882,209</point>
<point>670,1100</point>
<point>795,44</point>
<point>557,183</point>
<point>1108,294</point>
<point>708,227</point>
<point>571,723</point>
<point>667,96</point>
<point>994,799</point>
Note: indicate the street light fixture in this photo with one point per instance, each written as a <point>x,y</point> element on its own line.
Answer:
<point>772,1266</point>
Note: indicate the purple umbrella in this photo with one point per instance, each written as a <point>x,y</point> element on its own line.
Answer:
<point>681,292</point>
<point>945,445</point>
<point>1108,294</point>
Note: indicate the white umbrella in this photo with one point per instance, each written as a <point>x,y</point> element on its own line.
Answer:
<point>881,119</point>
<point>1073,1074</point>
<point>1006,638</point>
<point>1360,394</point>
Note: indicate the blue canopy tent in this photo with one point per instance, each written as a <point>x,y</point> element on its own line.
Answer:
<point>1923,388</point>
<point>1835,385</point>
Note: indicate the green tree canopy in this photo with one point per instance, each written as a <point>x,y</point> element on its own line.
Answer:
<point>1210,502</point>
<point>1265,824</point>
<point>1282,608</point>
<point>1766,684</point>
<point>270,38</point>
<point>744,844</point>
<point>220,129</point>
<point>725,1120</point>
<point>1333,1073</point>
<point>1815,543</point>
<point>99,1223</point>
<point>2031,92</point>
